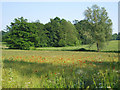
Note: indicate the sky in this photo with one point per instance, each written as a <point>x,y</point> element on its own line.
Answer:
<point>43,11</point>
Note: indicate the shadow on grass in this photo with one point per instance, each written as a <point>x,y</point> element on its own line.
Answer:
<point>85,50</point>
<point>111,51</point>
<point>29,68</point>
<point>81,50</point>
<point>43,68</point>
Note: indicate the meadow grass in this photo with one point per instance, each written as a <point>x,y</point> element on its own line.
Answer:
<point>70,68</point>
<point>109,46</point>
<point>59,69</point>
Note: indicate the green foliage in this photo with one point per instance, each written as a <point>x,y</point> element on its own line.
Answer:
<point>21,35</point>
<point>114,36</point>
<point>54,69</point>
<point>53,28</point>
<point>69,33</point>
<point>2,36</point>
<point>41,37</point>
<point>84,28</point>
<point>118,37</point>
<point>61,33</point>
<point>96,28</point>
<point>62,43</point>
<point>101,25</point>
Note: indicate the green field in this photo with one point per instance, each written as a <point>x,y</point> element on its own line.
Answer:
<point>110,46</point>
<point>69,67</point>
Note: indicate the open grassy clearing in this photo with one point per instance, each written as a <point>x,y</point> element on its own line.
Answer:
<point>70,68</point>
<point>111,46</point>
<point>63,69</point>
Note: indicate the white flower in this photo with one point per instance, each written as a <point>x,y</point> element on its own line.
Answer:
<point>101,87</point>
<point>58,73</point>
<point>100,83</point>
<point>28,82</point>
<point>117,71</point>
<point>10,78</point>
<point>79,71</point>
<point>49,81</point>
<point>108,87</point>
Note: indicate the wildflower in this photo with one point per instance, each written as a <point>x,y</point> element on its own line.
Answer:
<point>58,73</point>
<point>117,71</point>
<point>114,67</point>
<point>11,78</point>
<point>28,82</point>
<point>61,58</point>
<point>55,73</point>
<point>108,87</point>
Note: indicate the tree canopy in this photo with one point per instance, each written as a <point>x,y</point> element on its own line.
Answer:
<point>23,34</point>
<point>84,29</point>
<point>101,25</point>
<point>61,33</point>
<point>95,28</point>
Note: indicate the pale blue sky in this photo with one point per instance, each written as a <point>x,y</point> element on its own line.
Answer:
<point>43,11</point>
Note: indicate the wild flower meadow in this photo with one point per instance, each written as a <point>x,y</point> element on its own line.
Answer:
<point>59,69</point>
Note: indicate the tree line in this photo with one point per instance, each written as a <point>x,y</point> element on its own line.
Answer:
<point>95,28</point>
<point>116,36</point>
<point>56,33</point>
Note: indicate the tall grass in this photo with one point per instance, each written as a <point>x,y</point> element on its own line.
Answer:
<point>59,69</point>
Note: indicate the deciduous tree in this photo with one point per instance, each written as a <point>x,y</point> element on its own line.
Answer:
<point>101,25</point>
<point>21,34</point>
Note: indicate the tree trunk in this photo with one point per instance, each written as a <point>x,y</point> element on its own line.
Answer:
<point>98,47</point>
